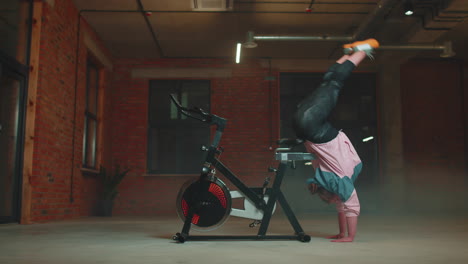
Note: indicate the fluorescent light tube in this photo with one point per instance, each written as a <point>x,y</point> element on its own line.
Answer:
<point>239,45</point>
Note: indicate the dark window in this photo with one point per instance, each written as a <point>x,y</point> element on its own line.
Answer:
<point>90,116</point>
<point>174,140</point>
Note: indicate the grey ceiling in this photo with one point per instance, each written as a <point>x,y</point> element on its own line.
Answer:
<point>174,30</point>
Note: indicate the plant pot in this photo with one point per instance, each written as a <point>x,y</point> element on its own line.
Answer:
<point>104,207</point>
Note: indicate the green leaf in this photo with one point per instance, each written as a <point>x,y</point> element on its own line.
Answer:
<point>111,181</point>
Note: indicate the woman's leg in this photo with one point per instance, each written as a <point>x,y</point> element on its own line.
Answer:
<point>310,121</point>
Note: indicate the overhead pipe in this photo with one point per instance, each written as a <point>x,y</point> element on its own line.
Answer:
<point>150,28</point>
<point>306,2</point>
<point>251,37</point>
<point>446,49</point>
<point>306,38</point>
<point>382,6</point>
<point>225,12</point>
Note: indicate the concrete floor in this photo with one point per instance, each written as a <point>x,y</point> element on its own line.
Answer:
<point>381,239</point>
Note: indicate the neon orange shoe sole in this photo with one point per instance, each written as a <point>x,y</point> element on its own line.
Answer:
<point>368,42</point>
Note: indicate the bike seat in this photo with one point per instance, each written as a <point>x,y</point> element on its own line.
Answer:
<point>289,142</point>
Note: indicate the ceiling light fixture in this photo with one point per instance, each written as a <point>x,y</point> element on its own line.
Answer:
<point>447,50</point>
<point>409,10</point>
<point>250,42</point>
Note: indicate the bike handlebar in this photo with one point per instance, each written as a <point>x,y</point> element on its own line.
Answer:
<point>194,112</point>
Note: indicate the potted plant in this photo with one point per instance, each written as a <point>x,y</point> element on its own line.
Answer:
<point>110,183</point>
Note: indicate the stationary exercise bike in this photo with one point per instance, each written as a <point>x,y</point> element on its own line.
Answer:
<point>205,203</point>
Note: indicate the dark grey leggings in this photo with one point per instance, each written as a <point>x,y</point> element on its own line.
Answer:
<point>310,121</point>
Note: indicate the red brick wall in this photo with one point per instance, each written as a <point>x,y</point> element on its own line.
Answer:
<point>52,183</point>
<point>244,99</point>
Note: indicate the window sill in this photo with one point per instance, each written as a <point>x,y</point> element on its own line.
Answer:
<point>89,172</point>
<point>168,175</point>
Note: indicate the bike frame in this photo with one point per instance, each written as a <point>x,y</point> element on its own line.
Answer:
<point>255,195</point>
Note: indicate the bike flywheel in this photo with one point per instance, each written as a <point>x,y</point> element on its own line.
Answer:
<point>210,201</point>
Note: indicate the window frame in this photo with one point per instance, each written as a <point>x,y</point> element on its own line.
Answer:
<point>91,64</point>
